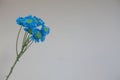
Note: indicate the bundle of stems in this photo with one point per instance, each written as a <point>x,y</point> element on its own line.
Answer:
<point>26,43</point>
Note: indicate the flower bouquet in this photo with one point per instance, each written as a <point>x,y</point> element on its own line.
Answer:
<point>35,30</point>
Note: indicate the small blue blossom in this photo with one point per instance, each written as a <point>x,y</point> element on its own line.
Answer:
<point>45,30</point>
<point>37,36</point>
<point>19,21</point>
<point>38,21</point>
<point>29,22</point>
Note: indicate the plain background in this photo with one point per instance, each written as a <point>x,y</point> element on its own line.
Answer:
<point>84,43</point>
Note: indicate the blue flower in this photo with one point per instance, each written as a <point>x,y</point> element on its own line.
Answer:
<point>37,36</point>
<point>29,22</point>
<point>19,21</point>
<point>38,21</point>
<point>45,30</point>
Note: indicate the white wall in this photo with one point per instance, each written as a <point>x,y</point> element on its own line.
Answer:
<point>84,43</point>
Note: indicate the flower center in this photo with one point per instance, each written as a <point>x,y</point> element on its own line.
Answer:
<point>46,29</point>
<point>29,21</point>
<point>38,35</point>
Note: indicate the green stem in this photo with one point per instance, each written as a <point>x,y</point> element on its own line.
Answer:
<point>17,40</point>
<point>11,70</point>
<point>26,44</point>
<point>17,58</point>
<point>24,39</point>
